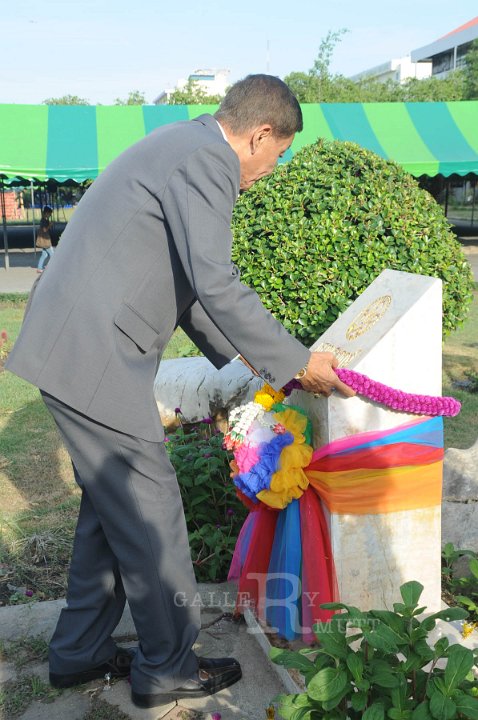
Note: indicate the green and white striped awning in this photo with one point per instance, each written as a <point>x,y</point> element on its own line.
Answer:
<point>63,142</point>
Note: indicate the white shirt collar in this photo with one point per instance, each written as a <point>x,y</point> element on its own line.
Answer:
<point>222,131</point>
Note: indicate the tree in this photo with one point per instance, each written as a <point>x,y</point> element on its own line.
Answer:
<point>66,100</point>
<point>193,94</point>
<point>435,89</point>
<point>319,85</point>
<point>315,86</point>
<point>471,72</point>
<point>135,97</point>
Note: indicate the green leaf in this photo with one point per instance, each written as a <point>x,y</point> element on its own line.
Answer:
<point>468,706</point>
<point>200,498</point>
<point>333,702</point>
<point>441,646</point>
<point>333,643</point>
<point>399,695</point>
<point>422,712</point>
<point>423,650</point>
<point>411,592</point>
<point>290,659</point>
<point>359,700</point>
<point>384,677</point>
<point>448,614</point>
<point>467,602</point>
<point>382,638</point>
<point>441,707</point>
<point>460,662</point>
<point>374,712</point>
<point>294,707</point>
<point>395,714</point>
<point>327,683</point>
<point>363,685</point>
<point>473,565</point>
<point>394,621</point>
<point>355,665</point>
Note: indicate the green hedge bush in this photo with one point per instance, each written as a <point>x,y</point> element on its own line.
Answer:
<point>313,235</point>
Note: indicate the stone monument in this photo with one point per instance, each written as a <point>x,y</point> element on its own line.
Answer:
<point>391,333</point>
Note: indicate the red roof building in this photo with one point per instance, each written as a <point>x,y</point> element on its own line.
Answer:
<point>448,52</point>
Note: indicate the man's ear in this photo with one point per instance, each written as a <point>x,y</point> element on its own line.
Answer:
<point>259,135</point>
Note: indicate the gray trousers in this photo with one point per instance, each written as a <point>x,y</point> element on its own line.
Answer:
<point>130,542</point>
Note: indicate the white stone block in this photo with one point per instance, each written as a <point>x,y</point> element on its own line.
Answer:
<point>391,333</point>
<point>194,385</point>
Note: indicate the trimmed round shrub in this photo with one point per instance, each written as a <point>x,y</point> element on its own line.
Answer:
<point>313,235</point>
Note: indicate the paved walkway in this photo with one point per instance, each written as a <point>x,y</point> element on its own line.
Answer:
<point>220,636</point>
<point>21,273</point>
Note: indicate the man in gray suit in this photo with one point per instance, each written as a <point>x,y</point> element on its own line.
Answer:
<point>148,250</point>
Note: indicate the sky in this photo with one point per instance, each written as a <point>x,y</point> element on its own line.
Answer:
<point>103,49</point>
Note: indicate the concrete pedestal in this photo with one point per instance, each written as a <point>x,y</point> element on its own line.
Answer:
<point>392,333</point>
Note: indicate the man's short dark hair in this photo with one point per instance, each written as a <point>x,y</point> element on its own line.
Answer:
<point>259,100</point>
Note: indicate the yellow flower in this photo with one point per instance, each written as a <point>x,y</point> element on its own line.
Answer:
<point>468,628</point>
<point>267,396</point>
<point>263,399</point>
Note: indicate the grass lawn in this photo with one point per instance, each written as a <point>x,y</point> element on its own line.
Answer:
<point>460,357</point>
<point>39,498</point>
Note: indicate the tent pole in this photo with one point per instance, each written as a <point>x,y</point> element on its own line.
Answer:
<point>473,203</point>
<point>447,185</point>
<point>5,231</point>
<point>33,221</point>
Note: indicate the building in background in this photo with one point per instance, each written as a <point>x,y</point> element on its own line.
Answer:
<point>13,205</point>
<point>399,70</point>
<point>448,52</point>
<point>212,82</point>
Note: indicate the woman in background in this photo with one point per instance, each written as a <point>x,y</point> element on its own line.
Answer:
<point>43,239</point>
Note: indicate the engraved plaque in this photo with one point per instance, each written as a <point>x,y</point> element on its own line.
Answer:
<point>368,317</point>
<point>343,356</point>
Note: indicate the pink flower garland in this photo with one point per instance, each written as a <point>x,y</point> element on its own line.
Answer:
<point>397,399</point>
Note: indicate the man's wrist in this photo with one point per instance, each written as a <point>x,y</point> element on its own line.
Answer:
<point>302,372</point>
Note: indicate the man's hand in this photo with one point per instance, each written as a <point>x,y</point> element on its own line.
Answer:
<point>320,376</point>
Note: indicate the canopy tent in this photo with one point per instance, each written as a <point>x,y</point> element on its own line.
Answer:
<point>64,142</point>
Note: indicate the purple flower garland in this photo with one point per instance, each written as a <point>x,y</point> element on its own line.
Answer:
<point>395,399</point>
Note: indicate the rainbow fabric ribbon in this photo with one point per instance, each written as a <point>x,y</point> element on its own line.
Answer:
<point>283,560</point>
<point>380,472</point>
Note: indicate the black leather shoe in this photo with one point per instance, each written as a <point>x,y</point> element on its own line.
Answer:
<point>207,663</point>
<point>206,682</point>
<point>116,667</point>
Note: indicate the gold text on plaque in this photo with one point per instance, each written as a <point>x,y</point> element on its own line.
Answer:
<point>368,317</point>
<point>343,356</point>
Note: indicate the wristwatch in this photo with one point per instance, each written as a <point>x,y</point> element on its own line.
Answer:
<point>301,373</point>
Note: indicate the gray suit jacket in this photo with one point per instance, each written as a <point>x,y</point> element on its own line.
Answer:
<point>148,249</point>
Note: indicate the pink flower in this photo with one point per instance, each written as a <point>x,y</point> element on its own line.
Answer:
<point>228,443</point>
<point>216,716</point>
<point>279,429</point>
